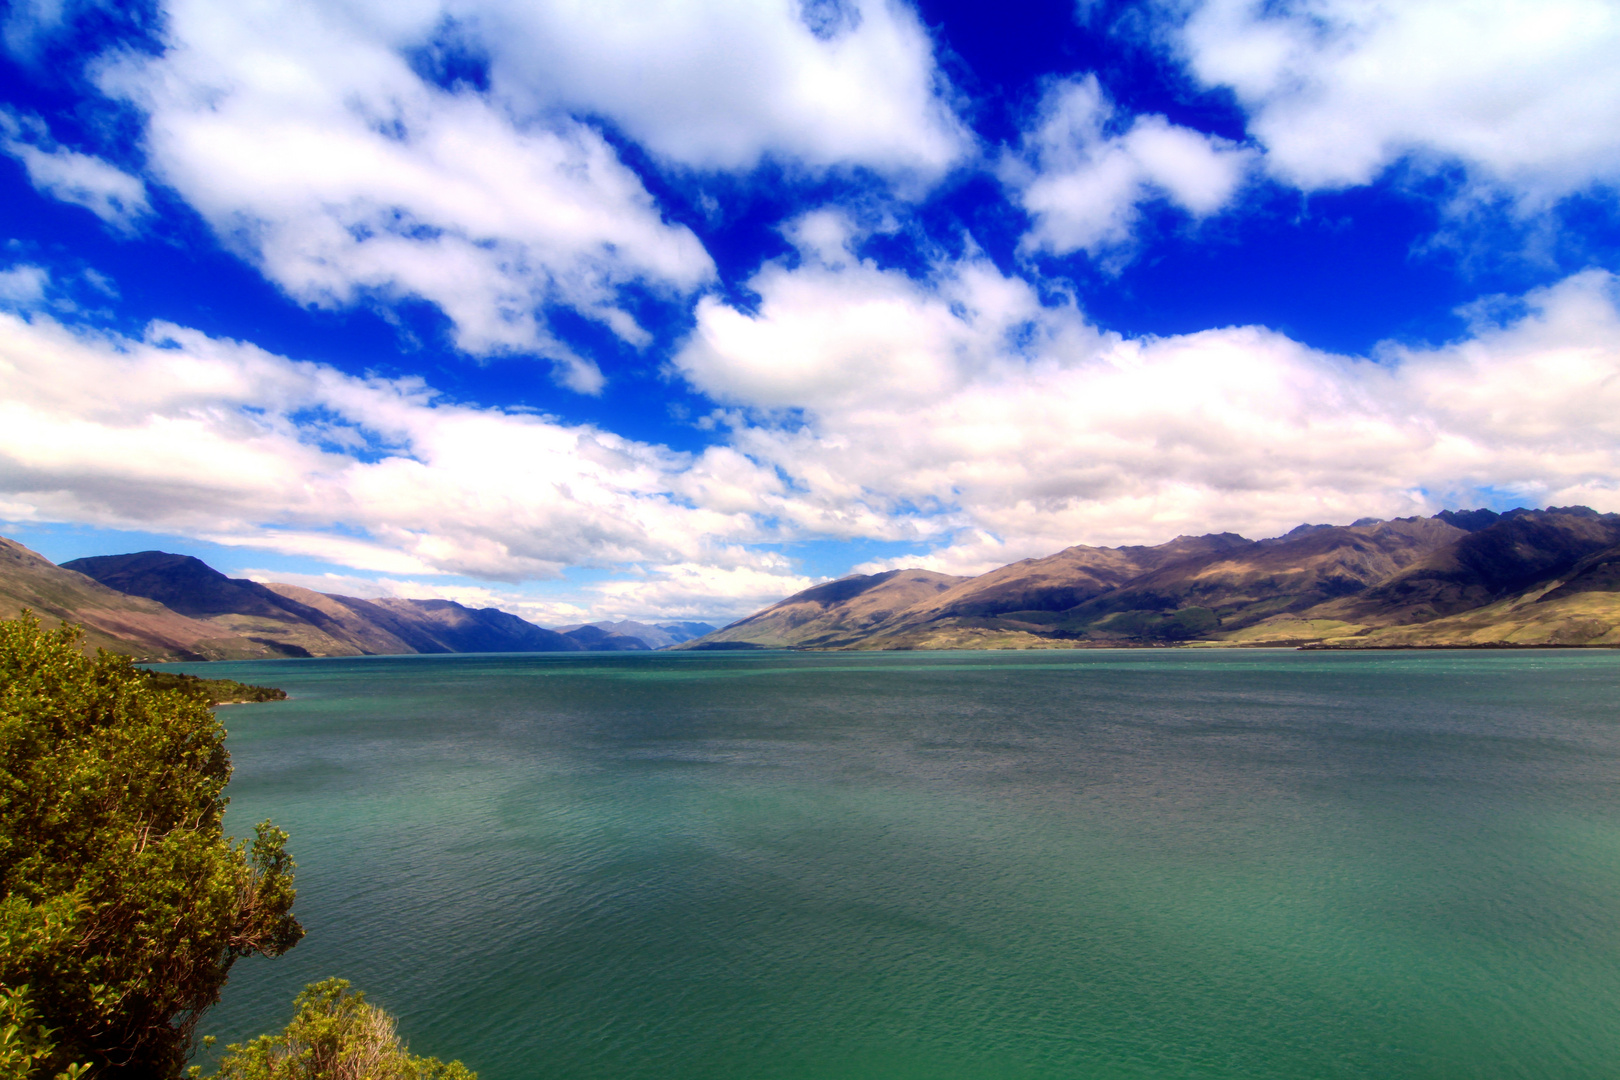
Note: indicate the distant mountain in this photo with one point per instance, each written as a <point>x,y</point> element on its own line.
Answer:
<point>628,635</point>
<point>112,620</point>
<point>286,620</point>
<point>684,631</point>
<point>837,615</point>
<point>598,639</point>
<point>1469,577</point>
<point>463,629</point>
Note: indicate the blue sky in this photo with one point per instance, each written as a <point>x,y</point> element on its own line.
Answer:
<point>669,309</point>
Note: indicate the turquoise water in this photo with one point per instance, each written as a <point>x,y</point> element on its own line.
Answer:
<point>1149,863</point>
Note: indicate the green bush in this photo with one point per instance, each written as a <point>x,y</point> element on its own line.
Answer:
<point>122,903</point>
<point>212,691</point>
<point>334,1035</point>
<point>25,1043</point>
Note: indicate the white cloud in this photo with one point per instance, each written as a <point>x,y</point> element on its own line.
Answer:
<point>303,136</point>
<point>962,406</point>
<point>699,590</point>
<point>24,286</point>
<point>1525,93</point>
<point>723,83</point>
<point>307,136</point>
<point>111,194</point>
<point>1083,182</point>
<point>187,434</point>
<point>836,333</point>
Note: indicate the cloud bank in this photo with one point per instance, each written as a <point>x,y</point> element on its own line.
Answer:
<point>958,414</point>
<point>966,407</point>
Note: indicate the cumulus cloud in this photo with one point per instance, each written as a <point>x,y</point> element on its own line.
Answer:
<point>1525,93</point>
<point>962,407</point>
<point>451,151</point>
<point>1082,175</point>
<point>722,84</point>
<point>305,138</point>
<point>111,194</point>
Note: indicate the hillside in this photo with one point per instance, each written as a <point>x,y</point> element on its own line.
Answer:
<point>286,620</point>
<point>834,615</point>
<point>112,620</point>
<point>1464,578</point>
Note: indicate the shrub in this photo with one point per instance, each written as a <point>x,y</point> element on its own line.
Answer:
<point>25,1043</point>
<point>122,903</point>
<point>334,1035</point>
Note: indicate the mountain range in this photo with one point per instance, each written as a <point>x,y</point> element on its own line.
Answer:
<point>1471,578</point>
<point>160,606</point>
<point>1459,579</point>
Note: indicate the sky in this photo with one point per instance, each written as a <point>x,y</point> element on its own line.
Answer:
<point>667,309</point>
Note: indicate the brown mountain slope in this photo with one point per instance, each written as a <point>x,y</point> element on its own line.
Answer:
<point>1240,588</point>
<point>455,628</point>
<point>1580,607</point>
<point>368,629</point>
<point>286,620</point>
<point>1069,578</point>
<point>836,614</point>
<point>1463,577</point>
<point>283,625</point>
<point>1588,618</point>
<point>1511,556</point>
<point>132,625</point>
<point>1598,572</point>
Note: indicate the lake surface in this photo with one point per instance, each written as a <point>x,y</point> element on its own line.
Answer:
<point>1099,864</point>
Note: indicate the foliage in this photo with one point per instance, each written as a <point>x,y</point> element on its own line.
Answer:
<point>122,903</point>
<point>212,691</point>
<point>334,1035</point>
<point>25,1043</point>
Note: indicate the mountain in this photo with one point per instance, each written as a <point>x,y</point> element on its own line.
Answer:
<point>1071,577</point>
<point>1241,587</point>
<point>1513,554</point>
<point>835,615</point>
<point>598,639</point>
<point>234,605</point>
<point>112,620</point>
<point>462,629</point>
<point>1468,577</point>
<point>286,620</point>
<point>628,635</point>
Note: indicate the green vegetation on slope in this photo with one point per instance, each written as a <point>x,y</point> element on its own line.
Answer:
<point>122,903</point>
<point>334,1035</point>
<point>212,691</point>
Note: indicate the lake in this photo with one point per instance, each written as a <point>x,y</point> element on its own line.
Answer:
<point>1097,864</point>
